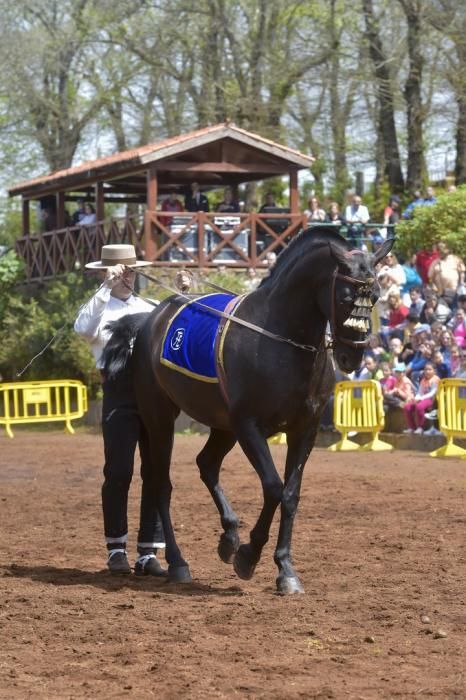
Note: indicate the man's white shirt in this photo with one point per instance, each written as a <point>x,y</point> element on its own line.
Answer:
<point>102,308</point>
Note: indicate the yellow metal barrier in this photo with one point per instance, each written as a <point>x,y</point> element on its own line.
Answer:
<point>451,403</point>
<point>34,402</point>
<point>358,408</point>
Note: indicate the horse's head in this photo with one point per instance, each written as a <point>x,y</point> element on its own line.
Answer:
<point>354,292</point>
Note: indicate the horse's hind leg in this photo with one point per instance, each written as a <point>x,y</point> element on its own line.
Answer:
<point>209,461</point>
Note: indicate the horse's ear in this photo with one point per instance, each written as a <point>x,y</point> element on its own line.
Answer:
<point>381,252</point>
<point>341,256</point>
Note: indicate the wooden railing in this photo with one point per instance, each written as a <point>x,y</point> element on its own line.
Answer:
<point>180,239</point>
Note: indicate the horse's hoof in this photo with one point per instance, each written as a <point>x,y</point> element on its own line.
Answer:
<point>227,548</point>
<point>242,563</point>
<point>179,574</point>
<point>287,585</point>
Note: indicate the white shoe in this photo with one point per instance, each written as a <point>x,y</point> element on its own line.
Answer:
<point>352,433</point>
<point>408,431</point>
<point>432,431</point>
<point>418,431</point>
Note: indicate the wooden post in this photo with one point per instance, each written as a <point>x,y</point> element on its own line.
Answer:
<point>26,218</point>
<point>294,193</point>
<point>149,241</point>
<point>99,201</point>
<point>60,198</point>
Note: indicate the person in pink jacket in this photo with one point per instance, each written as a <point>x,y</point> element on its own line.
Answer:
<point>423,401</point>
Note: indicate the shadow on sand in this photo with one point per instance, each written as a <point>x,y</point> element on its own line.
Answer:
<point>103,579</point>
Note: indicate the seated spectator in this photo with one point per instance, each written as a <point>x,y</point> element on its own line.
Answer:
<point>376,348</point>
<point>396,348</point>
<point>356,216</point>
<point>460,372</point>
<point>392,268</point>
<point>412,277</point>
<point>442,370</point>
<point>423,401</point>
<point>372,368</point>
<point>430,197</point>
<point>361,372</point>
<point>417,302</point>
<point>457,325</point>
<point>421,357</point>
<point>252,280</point>
<point>446,343</point>
<point>446,273</point>
<point>387,381</point>
<point>269,202</point>
<point>195,200</point>
<point>89,215</point>
<point>397,314</point>
<point>229,205</point>
<point>435,310</point>
<point>334,215</point>
<point>381,308</point>
<point>401,390</point>
<point>79,213</point>
<point>416,202</point>
<point>314,213</point>
<point>391,214</point>
<point>170,203</point>
<point>412,323</point>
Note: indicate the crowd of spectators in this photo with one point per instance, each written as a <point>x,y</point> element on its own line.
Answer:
<point>419,333</point>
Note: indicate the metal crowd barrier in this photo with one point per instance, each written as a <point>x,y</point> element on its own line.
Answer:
<point>40,402</point>
<point>358,408</point>
<point>451,403</point>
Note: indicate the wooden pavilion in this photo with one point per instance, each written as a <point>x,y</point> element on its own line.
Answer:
<point>215,157</point>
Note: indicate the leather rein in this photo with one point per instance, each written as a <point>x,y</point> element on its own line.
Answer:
<point>264,331</point>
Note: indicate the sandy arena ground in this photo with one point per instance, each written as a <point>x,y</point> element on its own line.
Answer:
<point>379,543</point>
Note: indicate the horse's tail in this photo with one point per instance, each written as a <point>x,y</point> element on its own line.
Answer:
<point>117,352</point>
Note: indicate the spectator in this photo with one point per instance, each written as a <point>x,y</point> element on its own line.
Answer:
<point>229,205</point>
<point>396,348</point>
<point>314,213</point>
<point>417,302</point>
<point>375,348</point>
<point>424,259</point>
<point>410,326</point>
<point>416,202</point>
<point>334,215</point>
<point>170,203</point>
<point>269,202</point>
<point>423,400</point>
<point>446,274</point>
<point>412,278</point>
<point>435,310</point>
<point>356,216</point>
<point>421,357</point>
<point>442,369</point>
<point>397,314</point>
<point>89,215</point>
<point>455,354</point>
<point>252,280</point>
<point>446,343</point>
<point>430,197</point>
<point>195,200</point>
<point>391,214</point>
<point>458,328</point>
<point>460,372</point>
<point>392,268</point>
<point>401,390</point>
<point>79,213</point>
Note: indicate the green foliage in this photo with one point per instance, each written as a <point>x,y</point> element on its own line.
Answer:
<point>445,220</point>
<point>29,321</point>
<point>11,269</point>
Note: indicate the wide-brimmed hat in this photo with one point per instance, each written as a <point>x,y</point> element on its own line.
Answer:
<point>117,254</point>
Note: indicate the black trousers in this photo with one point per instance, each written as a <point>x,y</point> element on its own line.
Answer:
<point>122,430</point>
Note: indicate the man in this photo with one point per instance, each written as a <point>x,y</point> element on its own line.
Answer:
<point>121,425</point>
<point>195,200</point>
<point>355,215</point>
<point>79,214</point>
<point>416,202</point>
<point>446,273</point>
<point>229,205</point>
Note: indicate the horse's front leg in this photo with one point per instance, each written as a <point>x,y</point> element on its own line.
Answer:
<point>300,444</point>
<point>257,451</point>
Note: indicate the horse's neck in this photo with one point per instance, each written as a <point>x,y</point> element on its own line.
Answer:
<point>293,301</point>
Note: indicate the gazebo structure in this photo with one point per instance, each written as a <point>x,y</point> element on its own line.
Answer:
<point>215,157</point>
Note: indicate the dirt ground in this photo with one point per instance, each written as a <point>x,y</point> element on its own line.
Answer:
<point>379,543</point>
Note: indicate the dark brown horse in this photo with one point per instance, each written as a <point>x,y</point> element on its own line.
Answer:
<point>269,386</point>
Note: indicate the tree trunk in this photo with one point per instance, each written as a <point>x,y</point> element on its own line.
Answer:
<point>412,93</point>
<point>393,170</point>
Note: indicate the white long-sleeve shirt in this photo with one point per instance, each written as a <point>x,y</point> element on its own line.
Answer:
<point>102,308</point>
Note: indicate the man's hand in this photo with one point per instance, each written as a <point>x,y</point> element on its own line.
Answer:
<point>114,275</point>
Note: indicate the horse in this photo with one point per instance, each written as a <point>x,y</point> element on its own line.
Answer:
<point>276,375</point>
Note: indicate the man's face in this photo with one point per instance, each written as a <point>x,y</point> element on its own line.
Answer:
<point>194,187</point>
<point>356,201</point>
<point>414,295</point>
<point>395,345</point>
<point>430,192</point>
<point>442,249</point>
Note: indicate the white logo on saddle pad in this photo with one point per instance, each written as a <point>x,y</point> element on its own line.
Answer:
<point>177,339</point>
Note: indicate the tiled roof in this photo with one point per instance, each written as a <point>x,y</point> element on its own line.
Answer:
<point>142,154</point>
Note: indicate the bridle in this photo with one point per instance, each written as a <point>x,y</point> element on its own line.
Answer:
<point>362,310</point>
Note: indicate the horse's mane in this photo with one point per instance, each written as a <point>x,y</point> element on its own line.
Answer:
<point>313,236</point>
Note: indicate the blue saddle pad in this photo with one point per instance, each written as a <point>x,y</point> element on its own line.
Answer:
<point>189,343</point>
